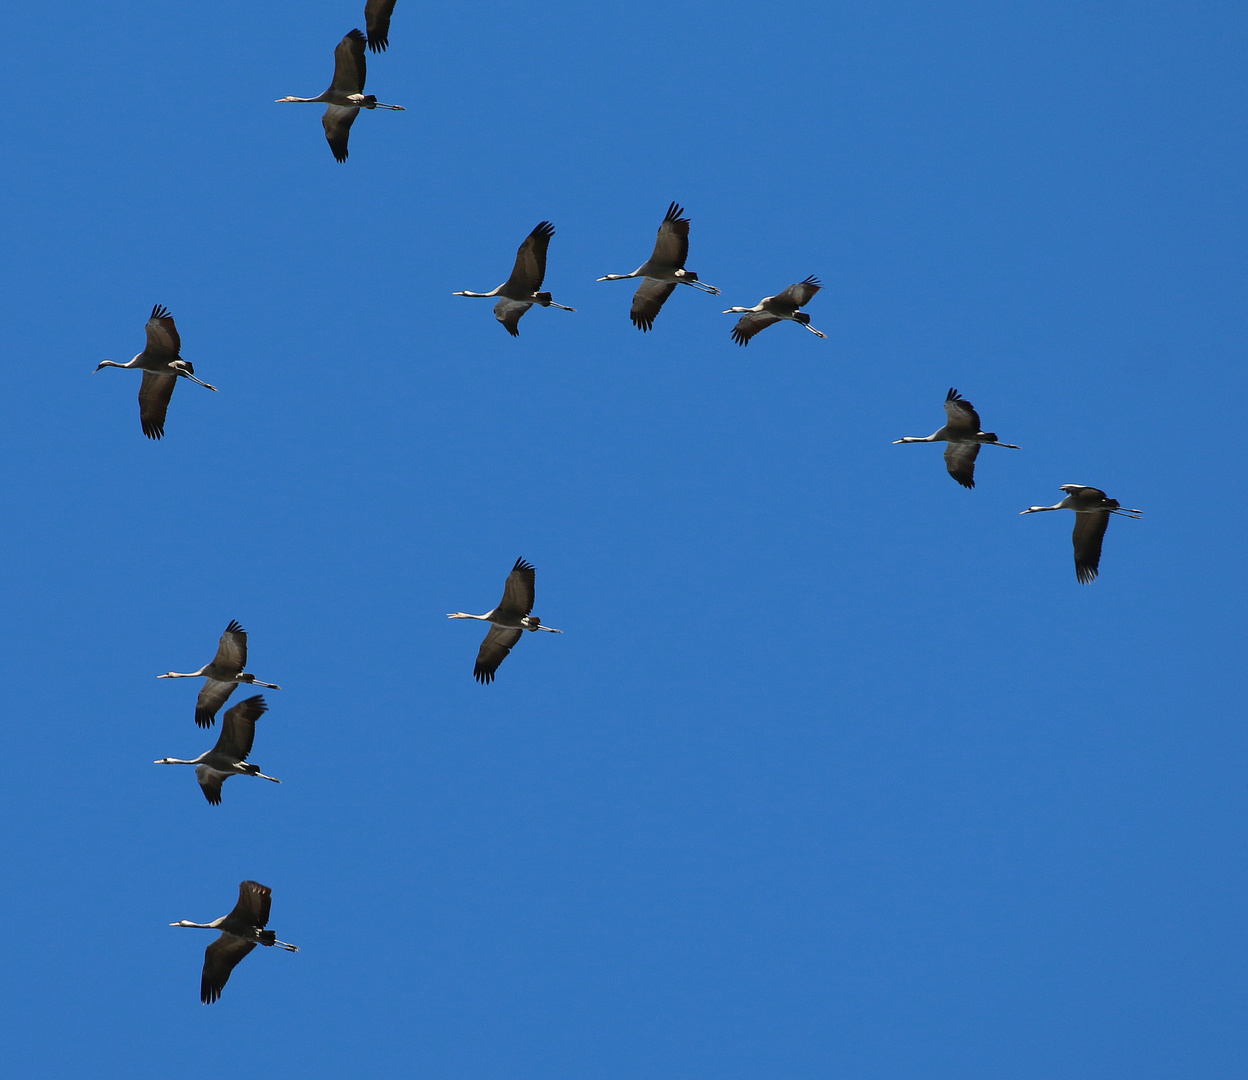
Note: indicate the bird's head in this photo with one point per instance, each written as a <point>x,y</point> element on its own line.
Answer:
<point>183,922</point>
<point>163,761</point>
<point>104,364</point>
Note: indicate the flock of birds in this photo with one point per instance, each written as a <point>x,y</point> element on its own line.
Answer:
<point>162,365</point>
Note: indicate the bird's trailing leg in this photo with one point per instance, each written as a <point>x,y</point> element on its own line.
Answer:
<point>698,285</point>
<point>286,945</point>
<point>817,333</point>
<point>1127,513</point>
<point>188,375</point>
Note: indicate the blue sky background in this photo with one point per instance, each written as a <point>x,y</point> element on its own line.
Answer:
<point>836,771</point>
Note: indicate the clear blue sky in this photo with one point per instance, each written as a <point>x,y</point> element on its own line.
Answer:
<point>836,772</point>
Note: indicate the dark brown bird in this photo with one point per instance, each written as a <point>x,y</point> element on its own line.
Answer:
<point>508,621</point>
<point>162,366</point>
<point>1092,508</point>
<point>241,931</point>
<point>663,271</point>
<point>964,437</point>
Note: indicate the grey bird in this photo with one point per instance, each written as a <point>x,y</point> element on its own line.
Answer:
<point>377,22</point>
<point>663,271</point>
<point>508,621</point>
<point>345,97</point>
<point>162,365</point>
<point>773,309</point>
<point>520,291</point>
<point>241,931</point>
<point>962,433</point>
<point>221,675</point>
<point>1092,508</point>
<point>229,757</point>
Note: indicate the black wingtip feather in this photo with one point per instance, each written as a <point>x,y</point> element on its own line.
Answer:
<point>159,311</point>
<point>740,338</point>
<point>378,44</point>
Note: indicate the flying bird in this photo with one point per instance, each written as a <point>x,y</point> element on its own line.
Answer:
<point>345,97</point>
<point>663,271</point>
<point>377,21</point>
<point>519,292</point>
<point>229,757</point>
<point>1092,508</point>
<point>221,675</point>
<point>508,621</point>
<point>241,931</point>
<point>162,366</point>
<point>772,309</point>
<point>962,433</point>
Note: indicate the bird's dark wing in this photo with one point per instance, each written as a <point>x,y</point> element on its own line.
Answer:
<point>800,295</point>
<point>508,312</point>
<point>749,325</point>
<point>671,247</point>
<point>210,782</point>
<point>494,649</point>
<point>648,301</point>
<point>238,729</point>
<point>960,461</point>
<point>337,122</point>
<point>1088,535</point>
<point>350,67</point>
<point>530,269</point>
<point>163,342</point>
<point>213,695</point>
<point>960,413</point>
<point>377,21</point>
<point>220,958</point>
<point>231,649</point>
<point>154,394</point>
<point>254,902</point>
<point>519,592</point>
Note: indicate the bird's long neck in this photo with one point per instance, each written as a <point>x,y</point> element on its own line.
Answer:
<point>466,615</point>
<point>176,761</point>
<point>195,925</point>
<point>319,97</point>
<point>618,277</point>
<point>482,295</point>
<point>181,674</point>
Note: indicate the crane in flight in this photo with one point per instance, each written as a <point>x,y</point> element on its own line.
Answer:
<point>162,365</point>
<point>1092,508</point>
<point>773,309</point>
<point>663,271</point>
<point>520,291</point>
<point>221,675</point>
<point>508,621</point>
<point>241,931</point>
<point>345,97</point>
<point>963,436</point>
<point>229,757</point>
